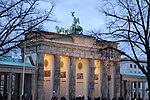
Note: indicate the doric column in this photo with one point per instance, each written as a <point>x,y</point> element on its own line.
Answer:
<point>122,88</point>
<point>34,86</point>
<point>128,89</point>
<point>56,77</point>
<point>91,78</point>
<point>117,80</point>
<point>67,77</point>
<point>40,78</point>
<point>143,90</point>
<point>9,86</point>
<point>72,81</point>
<point>104,79</point>
<point>112,80</point>
<point>87,79</point>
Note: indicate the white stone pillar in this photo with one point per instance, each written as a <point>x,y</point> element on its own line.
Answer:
<point>104,79</point>
<point>112,80</point>
<point>129,90</point>
<point>9,86</point>
<point>56,80</point>
<point>91,78</point>
<point>40,78</point>
<point>52,76</point>
<point>72,78</point>
<point>86,79</point>
<point>67,76</point>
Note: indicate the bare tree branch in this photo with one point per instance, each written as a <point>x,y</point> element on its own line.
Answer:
<point>17,18</point>
<point>129,22</point>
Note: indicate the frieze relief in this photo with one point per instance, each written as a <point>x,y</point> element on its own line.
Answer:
<point>71,50</point>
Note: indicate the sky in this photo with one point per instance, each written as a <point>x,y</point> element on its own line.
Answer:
<point>85,10</point>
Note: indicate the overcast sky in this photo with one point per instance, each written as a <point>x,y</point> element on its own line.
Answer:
<point>85,10</point>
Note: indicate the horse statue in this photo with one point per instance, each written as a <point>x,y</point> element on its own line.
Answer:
<point>75,27</point>
<point>61,30</point>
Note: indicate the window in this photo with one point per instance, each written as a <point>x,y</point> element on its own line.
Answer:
<point>47,73</point>
<point>130,65</point>
<point>63,75</point>
<point>139,72</point>
<point>139,95</point>
<point>139,85</point>
<point>134,84</point>
<point>96,77</point>
<point>79,75</point>
<point>134,71</point>
<point>134,66</point>
<point>134,94</point>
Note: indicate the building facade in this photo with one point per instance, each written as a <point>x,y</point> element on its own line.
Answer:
<point>16,79</point>
<point>73,65</point>
<point>133,81</point>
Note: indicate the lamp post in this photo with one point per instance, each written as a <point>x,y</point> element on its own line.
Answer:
<point>23,71</point>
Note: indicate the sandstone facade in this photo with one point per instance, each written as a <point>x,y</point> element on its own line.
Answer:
<point>74,65</point>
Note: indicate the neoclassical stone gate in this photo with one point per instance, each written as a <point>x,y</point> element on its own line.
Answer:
<point>72,65</point>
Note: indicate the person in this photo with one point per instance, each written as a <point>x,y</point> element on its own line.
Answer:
<point>63,98</point>
<point>30,97</point>
<point>23,97</point>
<point>54,98</point>
<point>5,95</point>
<point>89,98</point>
<point>0,96</point>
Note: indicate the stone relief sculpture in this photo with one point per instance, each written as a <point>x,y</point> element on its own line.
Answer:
<point>75,28</point>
